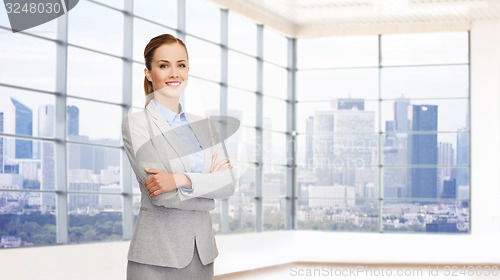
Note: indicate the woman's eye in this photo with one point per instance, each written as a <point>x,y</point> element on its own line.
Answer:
<point>161,66</point>
<point>182,65</point>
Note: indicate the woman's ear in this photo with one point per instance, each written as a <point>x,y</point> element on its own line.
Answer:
<point>147,74</point>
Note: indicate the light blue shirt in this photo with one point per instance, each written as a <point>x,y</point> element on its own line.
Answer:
<point>185,133</point>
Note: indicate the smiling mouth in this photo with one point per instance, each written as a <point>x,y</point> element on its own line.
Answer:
<point>173,83</point>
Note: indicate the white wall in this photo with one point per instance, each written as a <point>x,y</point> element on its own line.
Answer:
<point>237,252</point>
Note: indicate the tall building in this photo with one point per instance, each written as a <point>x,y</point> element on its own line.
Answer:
<point>309,143</point>
<point>46,128</point>
<point>46,121</point>
<point>343,142</point>
<point>354,140</point>
<point>449,189</point>
<point>1,145</point>
<point>323,147</point>
<point>23,125</point>
<point>348,104</point>
<point>390,136</point>
<point>401,121</point>
<point>73,122</point>
<point>394,178</point>
<point>423,150</point>
<point>305,179</point>
<point>395,151</point>
<point>463,157</point>
<point>446,157</point>
<point>268,154</point>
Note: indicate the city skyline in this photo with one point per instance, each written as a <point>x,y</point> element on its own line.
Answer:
<point>410,139</point>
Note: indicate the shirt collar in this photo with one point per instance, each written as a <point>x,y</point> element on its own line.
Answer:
<point>170,115</point>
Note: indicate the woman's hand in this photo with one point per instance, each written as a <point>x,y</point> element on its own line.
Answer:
<point>159,183</point>
<point>220,166</point>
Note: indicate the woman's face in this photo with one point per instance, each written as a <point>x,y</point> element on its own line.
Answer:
<point>169,70</point>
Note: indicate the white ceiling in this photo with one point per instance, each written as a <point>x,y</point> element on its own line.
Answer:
<point>312,18</point>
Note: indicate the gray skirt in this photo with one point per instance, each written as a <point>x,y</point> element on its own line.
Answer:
<point>195,270</point>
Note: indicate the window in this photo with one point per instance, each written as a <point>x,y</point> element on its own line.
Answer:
<point>242,35</point>
<point>36,70</point>
<point>94,76</point>
<point>33,195</point>
<point>396,132</point>
<point>82,29</point>
<point>275,46</point>
<point>335,52</point>
<point>242,71</point>
<point>161,12</point>
<point>381,135</point>
<point>203,20</point>
<point>204,59</point>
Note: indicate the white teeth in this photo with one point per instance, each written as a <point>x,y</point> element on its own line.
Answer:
<point>174,84</point>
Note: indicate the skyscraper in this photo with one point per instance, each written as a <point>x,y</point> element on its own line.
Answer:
<point>354,141</point>
<point>323,147</point>
<point>73,124</point>
<point>1,144</point>
<point>348,104</point>
<point>463,157</point>
<point>395,151</point>
<point>449,189</point>
<point>423,150</point>
<point>401,106</point>
<point>446,156</point>
<point>309,143</point>
<point>46,116</point>
<point>394,178</point>
<point>390,136</point>
<point>46,128</point>
<point>23,125</point>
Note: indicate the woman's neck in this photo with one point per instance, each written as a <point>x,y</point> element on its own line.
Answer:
<point>170,103</point>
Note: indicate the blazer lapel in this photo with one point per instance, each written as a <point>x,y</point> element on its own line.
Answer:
<point>169,136</point>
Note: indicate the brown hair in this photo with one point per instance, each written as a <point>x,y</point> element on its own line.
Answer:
<point>149,51</point>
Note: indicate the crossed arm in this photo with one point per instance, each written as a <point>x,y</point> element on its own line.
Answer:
<point>166,182</point>
<point>162,186</point>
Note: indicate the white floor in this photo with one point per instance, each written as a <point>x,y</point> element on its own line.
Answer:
<point>294,271</point>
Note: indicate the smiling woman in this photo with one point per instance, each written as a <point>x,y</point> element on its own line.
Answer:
<point>179,174</point>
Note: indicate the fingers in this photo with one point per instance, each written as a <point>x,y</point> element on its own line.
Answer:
<point>155,189</point>
<point>220,165</point>
<point>214,157</point>
<point>156,192</point>
<point>150,179</point>
<point>150,186</point>
<point>152,171</point>
<point>152,191</point>
<point>225,167</point>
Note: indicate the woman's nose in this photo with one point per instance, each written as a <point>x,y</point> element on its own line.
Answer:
<point>173,74</point>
